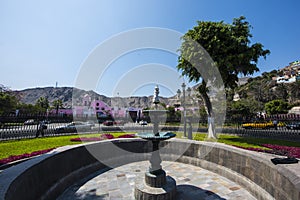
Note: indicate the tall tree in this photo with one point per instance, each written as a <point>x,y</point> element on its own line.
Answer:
<point>57,104</point>
<point>277,106</point>
<point>43,103</point>
<point>281,91</point>
<point>8,102</point>
<point>230,48</point>
<point>243,108</point>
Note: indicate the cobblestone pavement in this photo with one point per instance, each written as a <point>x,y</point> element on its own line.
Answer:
<point>193,183</point>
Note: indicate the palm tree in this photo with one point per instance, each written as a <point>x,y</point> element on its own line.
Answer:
<point>57,104</point>
<point>43,103</point>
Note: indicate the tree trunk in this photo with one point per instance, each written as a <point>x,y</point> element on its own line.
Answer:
<point>211,122</point>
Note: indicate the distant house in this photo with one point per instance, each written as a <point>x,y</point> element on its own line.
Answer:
<point>86,107</point>
<point>290,73</point>
<point>236,97</point>
<point>282,79</point>
<point>295,110</point>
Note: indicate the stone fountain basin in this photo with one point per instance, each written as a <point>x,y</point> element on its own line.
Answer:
<point>152,137</point>
<point>57,170</point>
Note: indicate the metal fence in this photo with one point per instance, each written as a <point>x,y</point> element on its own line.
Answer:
<point>27,125</point>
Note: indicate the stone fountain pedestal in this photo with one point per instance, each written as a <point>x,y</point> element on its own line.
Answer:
<point>155,185</point>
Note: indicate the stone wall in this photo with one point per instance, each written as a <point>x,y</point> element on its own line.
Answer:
<point>47,176</point>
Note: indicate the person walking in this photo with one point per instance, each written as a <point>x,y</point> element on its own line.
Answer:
<point>275,122</point>
<point>41,128</point>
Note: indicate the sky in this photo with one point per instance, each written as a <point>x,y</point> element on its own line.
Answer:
<point>44,43</point>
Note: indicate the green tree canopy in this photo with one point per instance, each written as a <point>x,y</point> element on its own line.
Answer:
<point>29,108</point>
<point>244,108</point>
<point>277,107</point>
<point>8,102</point>
<point>43,103</point>
<point>230,48</point>
<point>56,104</point>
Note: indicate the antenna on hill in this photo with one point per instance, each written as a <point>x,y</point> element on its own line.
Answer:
<point>56,83</point>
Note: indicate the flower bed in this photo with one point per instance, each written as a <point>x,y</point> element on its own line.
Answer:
<point>293,152</point>
<point>82,139</point>
<point>284,150</point>
<point>127,136</point>
<point>102,137</point>
<point>85,139</point>
<point>26,155</point>
<point>273,149</point>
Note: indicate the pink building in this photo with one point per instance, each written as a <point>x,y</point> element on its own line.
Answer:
<point>89,108</point>
<point>86,107</point>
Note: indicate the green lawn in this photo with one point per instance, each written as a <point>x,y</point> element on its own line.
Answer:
<point>246,141</point>
<point>19,147</point>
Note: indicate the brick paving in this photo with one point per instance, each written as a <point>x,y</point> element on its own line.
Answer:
<point>193,183</point>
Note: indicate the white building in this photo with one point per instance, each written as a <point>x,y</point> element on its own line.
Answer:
<point>295,110</point>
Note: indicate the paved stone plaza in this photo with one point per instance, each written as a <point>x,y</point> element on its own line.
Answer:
<point>193,183</point>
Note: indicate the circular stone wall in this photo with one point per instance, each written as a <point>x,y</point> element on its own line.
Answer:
<point>47,176</point>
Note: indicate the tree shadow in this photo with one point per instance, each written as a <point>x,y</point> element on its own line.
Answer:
<point>70,192</point>
<point>184,192</point>
<point>91,195</point>
<point>191,192</point>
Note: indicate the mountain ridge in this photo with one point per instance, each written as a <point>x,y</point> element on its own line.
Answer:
<point>72,95</point>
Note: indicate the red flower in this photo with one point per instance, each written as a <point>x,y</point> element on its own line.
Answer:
<point>277,149</point>
<point>127,136</point>
<point>106,136</point>
<point>25,155</point>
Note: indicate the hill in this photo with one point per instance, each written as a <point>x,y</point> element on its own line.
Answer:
<point>69,94</point>
<point>263,89</point>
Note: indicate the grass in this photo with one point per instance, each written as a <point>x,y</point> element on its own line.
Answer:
<point>247,141</point>
<point>22,146</point>
<point>19,147</point>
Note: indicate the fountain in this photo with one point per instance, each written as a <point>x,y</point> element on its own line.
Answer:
<point>156,185</point>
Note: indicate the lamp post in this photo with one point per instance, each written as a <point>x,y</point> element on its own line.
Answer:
<point>189,91</point>
<point>189,118</point>
<point>184,109</point>
<point>182,100</point>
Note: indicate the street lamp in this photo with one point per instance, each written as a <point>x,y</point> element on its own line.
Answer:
<point>184,109</point>
<point>182,100</point>
<point>189,91</point>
